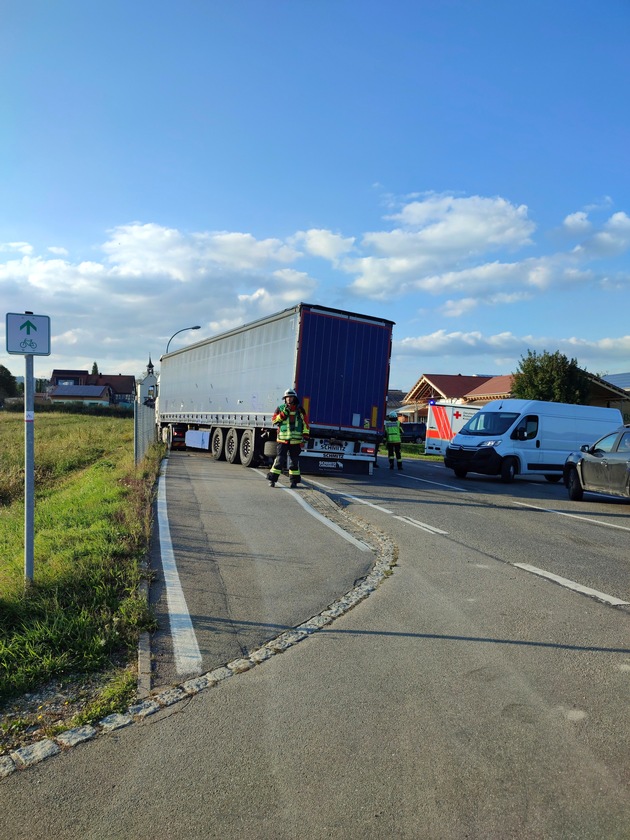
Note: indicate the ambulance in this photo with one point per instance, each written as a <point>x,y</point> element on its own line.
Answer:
<point>444,420</point>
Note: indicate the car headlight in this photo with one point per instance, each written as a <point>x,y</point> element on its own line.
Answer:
<point>490,443</point>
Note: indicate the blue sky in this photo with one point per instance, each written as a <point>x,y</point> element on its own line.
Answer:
<point>460,167</point>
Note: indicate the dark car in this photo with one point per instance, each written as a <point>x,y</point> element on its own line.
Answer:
<point>603,467</point>
<point>413,432</point>
<point>178,436</point>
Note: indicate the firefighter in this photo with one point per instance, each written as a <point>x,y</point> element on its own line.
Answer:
<point>293,432</point>
<point>393,438</point>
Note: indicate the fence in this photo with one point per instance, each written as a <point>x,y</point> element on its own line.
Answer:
<point>144,429</point>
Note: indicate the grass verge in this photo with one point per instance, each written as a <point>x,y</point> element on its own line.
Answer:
<point>83,614</point>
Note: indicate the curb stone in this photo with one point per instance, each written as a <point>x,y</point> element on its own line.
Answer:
<point>385,551</point>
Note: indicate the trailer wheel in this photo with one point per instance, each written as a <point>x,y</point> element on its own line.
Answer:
<point>216,445</point>
<point>232,447</point>
<point>249,456</point>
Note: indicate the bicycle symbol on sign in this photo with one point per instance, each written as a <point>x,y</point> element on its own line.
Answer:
<point>28,342</point>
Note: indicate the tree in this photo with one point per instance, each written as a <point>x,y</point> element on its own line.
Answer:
<point>551,377</point>
<point>8,384</point>
<point>95,369</point>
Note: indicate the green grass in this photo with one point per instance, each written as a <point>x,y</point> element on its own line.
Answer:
<point>92,527</point>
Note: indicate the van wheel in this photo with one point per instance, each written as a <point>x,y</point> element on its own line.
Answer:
<point>553,479</point>
<point>460,472</point>
<point>249,456</point>
<point>216,445</point>
<point>574,487</point>
<point>232,447</point>
<point>508,470</point>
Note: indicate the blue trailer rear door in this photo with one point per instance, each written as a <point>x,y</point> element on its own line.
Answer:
<point>343,369</point>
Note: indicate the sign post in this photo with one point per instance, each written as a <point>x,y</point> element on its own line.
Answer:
<point>28,335</point>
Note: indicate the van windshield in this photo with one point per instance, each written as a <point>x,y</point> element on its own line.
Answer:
<point>487,423</point>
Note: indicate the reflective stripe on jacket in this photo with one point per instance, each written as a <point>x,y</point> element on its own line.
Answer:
<point>393,432</point>
<point>292,425</point>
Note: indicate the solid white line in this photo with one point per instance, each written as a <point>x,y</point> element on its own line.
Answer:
<point>574,516</point>
<point>333,527</point>
<point>348,496</point>
<point>421,525</point>
<point>185,646</point>
<point>570,584</point>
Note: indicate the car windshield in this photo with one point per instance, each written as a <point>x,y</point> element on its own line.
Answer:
<point>485,423</point>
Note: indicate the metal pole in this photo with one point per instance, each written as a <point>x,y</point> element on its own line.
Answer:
<point>29,469</point>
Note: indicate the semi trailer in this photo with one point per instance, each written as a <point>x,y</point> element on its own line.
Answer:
<point>222,391</point>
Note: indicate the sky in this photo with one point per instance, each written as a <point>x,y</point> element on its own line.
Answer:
<point>459,167</point>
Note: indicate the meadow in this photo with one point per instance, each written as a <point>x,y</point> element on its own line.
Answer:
<point>82,613</point>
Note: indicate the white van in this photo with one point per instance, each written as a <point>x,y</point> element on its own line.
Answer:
<point>526,437</point>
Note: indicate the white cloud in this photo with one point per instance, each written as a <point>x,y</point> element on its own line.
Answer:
<point>437,235</point>
<point>147,250</point>
<point>455,308</point>
<point>16,247</point>
<point>323,243</point>
<point>612,240</point>
<point>510,348</point>
<point>577,223</point>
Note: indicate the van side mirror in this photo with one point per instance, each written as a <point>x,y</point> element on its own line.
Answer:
<point>522,434</point>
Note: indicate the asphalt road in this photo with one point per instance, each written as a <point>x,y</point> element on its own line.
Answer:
<point>467,697</point>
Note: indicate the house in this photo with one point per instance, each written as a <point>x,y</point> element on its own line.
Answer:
<point>480,390</point>
<point>438,386</point>
<point>122,388</point>
<point>86,394</point>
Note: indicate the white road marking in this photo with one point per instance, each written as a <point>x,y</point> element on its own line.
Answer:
<point>185,645</point>
<point>570,584</point>
<point>348,496</point>
<point>333,527</point>
<point>575,516</point>
<point>421,525</point>
<point>437,483</point>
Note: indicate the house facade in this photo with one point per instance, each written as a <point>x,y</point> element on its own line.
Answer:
<point>121,389</point>
<point>480,390</point>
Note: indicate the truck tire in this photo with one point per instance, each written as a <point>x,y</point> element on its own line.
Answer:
<point>574,487</point>
<point>217,449</point>
<point>508,470</point>
<point>232,447</point>
<point>248,453</point>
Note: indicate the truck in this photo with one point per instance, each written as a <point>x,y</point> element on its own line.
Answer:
<point>224,390</point>
<point>444,420</point>
<point>526,437</point>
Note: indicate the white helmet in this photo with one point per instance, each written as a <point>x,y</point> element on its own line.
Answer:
<point>290,393</point>
<point>393,415</point>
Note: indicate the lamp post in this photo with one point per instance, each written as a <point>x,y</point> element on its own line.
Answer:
<point>177,333</point>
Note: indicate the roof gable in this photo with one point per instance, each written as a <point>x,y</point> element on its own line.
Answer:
<point>443,386</point>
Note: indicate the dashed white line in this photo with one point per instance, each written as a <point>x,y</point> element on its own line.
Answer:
<point>574,516</point>
<point>185,646</point>
<point>571,584</point>
<point>421,525</point>
<point>437,483</point>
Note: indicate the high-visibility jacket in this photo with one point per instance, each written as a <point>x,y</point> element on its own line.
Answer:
<point>292,424</point>
<point>393,431</point>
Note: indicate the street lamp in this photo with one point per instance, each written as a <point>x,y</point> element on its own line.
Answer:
<point>177,333</point>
